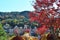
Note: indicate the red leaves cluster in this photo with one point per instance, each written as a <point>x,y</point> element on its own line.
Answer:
<point>46,2</point>
<point>42,16</point>
<point>42,29</point>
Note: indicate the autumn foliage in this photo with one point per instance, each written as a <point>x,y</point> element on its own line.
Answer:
<point>46,14</point>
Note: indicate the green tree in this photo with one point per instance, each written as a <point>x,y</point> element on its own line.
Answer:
<point>3,35</point>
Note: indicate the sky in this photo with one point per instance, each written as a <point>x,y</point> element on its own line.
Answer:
<point>16,5</point>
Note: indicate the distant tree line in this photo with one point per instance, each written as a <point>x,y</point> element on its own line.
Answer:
<point>12,15</point>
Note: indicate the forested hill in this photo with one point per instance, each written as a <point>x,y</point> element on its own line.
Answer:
<point>14,14</point>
